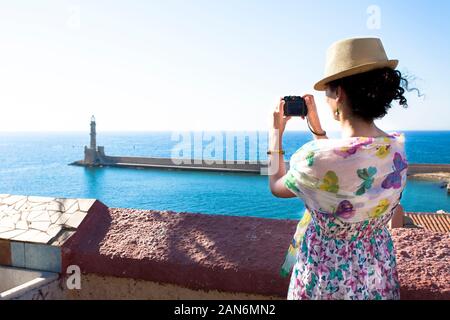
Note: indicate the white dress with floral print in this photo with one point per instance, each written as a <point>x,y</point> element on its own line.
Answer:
<point>342,248</point>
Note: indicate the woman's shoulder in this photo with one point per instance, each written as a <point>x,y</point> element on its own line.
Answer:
<point>311,146</point>
<point>335,149</point>
<point>309,153</point>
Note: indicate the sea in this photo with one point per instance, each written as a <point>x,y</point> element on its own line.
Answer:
<point>37,163</point>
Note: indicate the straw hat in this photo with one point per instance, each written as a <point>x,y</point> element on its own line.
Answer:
<point>353,56</point>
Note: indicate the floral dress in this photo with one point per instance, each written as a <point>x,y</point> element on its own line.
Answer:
<point>342,248</point>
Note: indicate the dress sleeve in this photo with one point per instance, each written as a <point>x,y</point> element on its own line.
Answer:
<point>300,178</point>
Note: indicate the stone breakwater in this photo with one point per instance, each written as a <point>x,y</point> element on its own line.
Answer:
<point>95,156</point>
<point>99,158</point>
<point>438,176</point>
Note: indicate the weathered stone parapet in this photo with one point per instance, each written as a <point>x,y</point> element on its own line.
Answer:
<point>195,251</point>
<point>423,259</point>
<point>169,255</point>
<point>237,255</point>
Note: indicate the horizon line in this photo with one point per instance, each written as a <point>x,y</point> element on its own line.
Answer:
<point>196,130</point>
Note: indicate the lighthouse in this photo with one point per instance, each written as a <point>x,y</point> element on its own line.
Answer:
<point>93,154</point>
<point>93,134</point>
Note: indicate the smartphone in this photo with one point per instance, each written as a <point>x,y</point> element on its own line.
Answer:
<point>295,106</point>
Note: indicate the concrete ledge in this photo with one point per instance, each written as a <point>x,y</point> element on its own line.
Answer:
<point>20,282</point>
<point>196,251</point>
<point>115,288</point>
<point>238,255</point>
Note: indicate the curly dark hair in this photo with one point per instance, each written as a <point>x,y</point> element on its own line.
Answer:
<point>371,93</point>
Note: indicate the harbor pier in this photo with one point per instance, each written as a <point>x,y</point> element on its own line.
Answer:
<point>94,156</point>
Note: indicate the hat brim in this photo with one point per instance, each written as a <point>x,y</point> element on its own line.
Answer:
<point>322,84</point>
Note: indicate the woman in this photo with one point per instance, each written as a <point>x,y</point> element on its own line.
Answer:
<point>351,186</point>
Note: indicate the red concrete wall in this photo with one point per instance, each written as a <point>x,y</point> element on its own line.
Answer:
<point>232,254</point>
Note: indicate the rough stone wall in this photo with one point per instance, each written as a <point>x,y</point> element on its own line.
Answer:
<point>208,253</point>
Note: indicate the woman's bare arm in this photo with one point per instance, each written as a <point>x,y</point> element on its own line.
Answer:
<point>277,168</point>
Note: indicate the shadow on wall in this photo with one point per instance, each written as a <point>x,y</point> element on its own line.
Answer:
<point>197,251</point>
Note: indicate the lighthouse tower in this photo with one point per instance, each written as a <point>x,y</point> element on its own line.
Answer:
<point>93,134</point>
<point>93,154</point>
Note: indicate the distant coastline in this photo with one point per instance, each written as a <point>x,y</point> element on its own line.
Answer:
<point>435,176</point>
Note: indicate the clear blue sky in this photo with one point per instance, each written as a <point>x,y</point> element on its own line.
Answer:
<point>173,65</point>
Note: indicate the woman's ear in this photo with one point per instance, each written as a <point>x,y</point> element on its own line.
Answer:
<point>338,93</point>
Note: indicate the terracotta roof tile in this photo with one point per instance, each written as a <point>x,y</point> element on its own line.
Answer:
<point>438,222</point>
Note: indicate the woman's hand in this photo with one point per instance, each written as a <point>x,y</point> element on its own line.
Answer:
<point>279,120</point>
<point>313,116</point>
<point>312,108</point>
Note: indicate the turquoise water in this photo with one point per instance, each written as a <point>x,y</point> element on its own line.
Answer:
<point>37,164</point>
